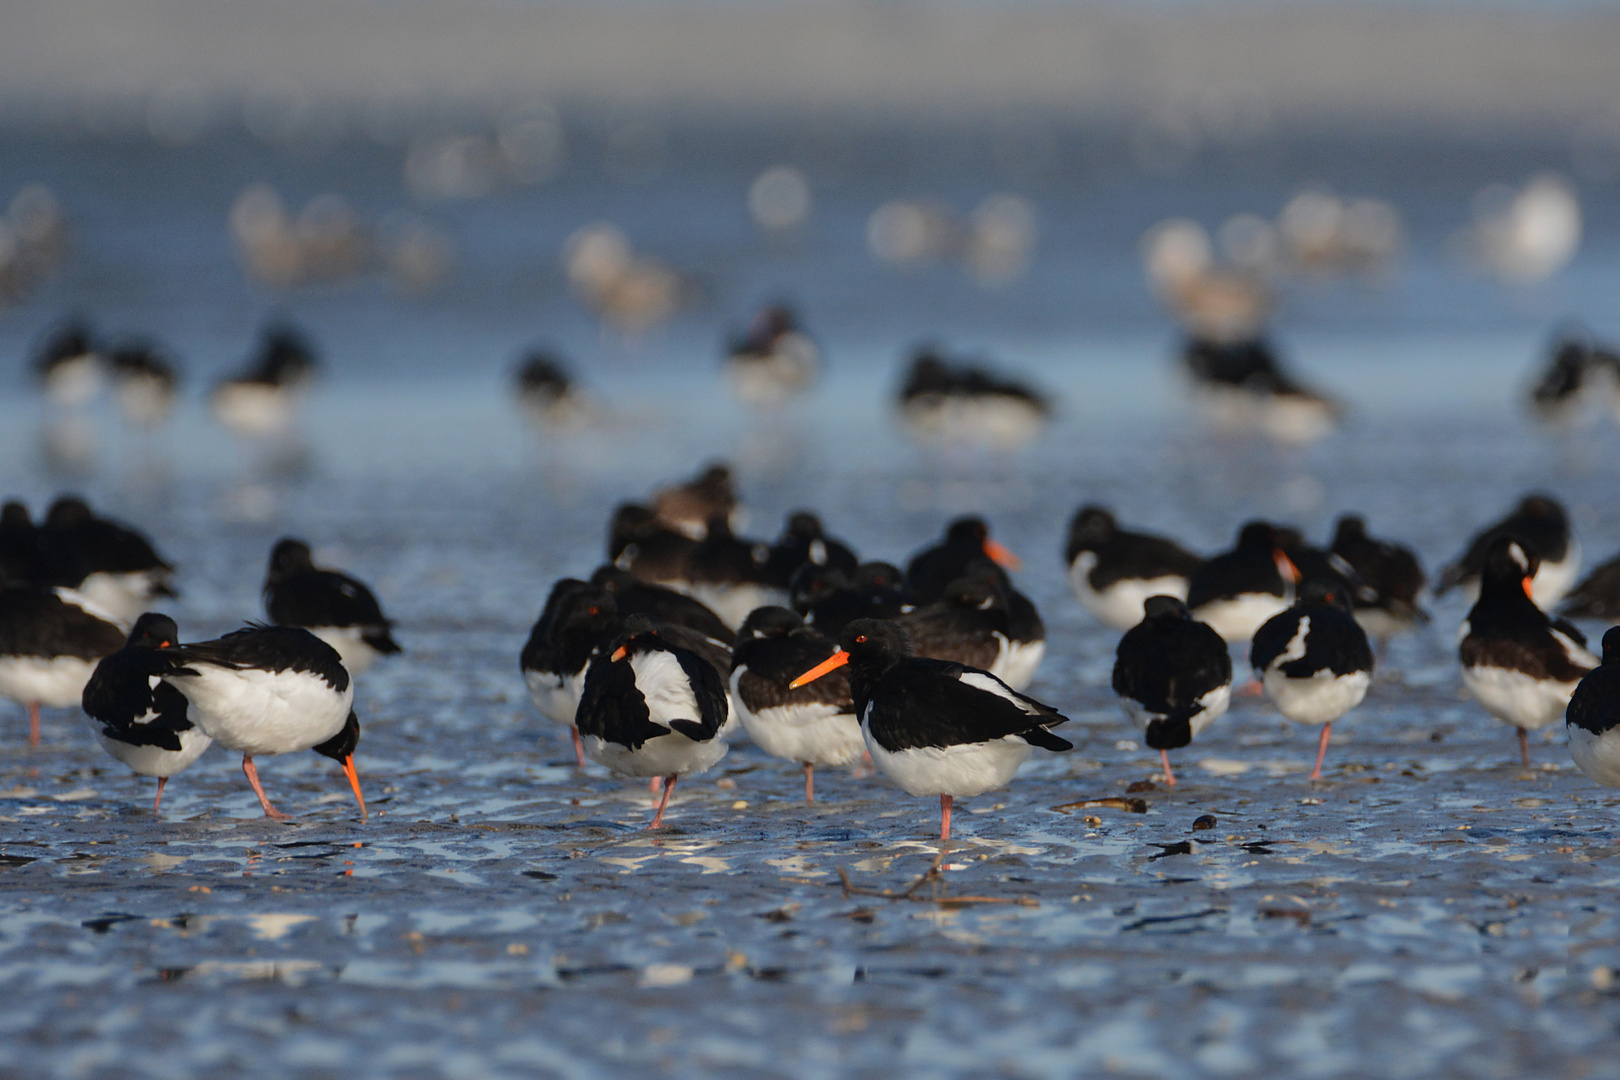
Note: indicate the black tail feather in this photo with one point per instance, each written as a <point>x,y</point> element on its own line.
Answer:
<point>1169,733</point>
<point>1039,736</point>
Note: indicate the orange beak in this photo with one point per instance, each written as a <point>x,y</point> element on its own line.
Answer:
<point>1286,567</point>
<point>1527,589</point>
<point>618,654</point>
<point>1001,555</point>
<point>832,663</point>
<point>354,782</point>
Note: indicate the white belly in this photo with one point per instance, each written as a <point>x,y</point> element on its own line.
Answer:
<point>1598,756</point>
<point>734,603</point>
<point>968,769</point>
<point>1017,662</point>
<point>154,760</point>
<point>253,409</point>
<point>260,712</point>
<point>1237,619</point>
<point>356,655</point>
<point>816,732</point>
<point>1120,605</point>
<point>556,696</point>
<point>1513,696</point>
<point>56,681</point>
<point>664,755</point>
<point>1320,699</point>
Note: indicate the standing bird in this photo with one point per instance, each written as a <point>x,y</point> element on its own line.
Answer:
<point>966,539</point>
<point>971,625</point>
<point>50,643</point>
<point>651,708</point>
<point>936,727</point>
<point>1391,580</point>
<point>1235,592</point>
<point>145,383</point>
<point>270,690</point>
<point>633,597</point>
<point>829,600</point>
<point>261,401</point>
<point>579,619</point>
<point>1518,662</point>
<point>1598,594</point>
<point>1173,675</point>
<point>1539,520</point>
<point>1314,660</point>
<point>1593,717</point>
<point>334,607</point>
<point>647,548</point>
<point>121,571</point>
<point>549,396</point>
<point>141,720</point>
<point>774,360</point>
<point>1113,571</point>
<point>814,724</point>
<point>69,366</point>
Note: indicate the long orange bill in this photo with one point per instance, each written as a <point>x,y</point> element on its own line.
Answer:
<point>618,654</point>
<point>354,782</point>
<point>832,663</point>
<point>1002,555</point>
<point>1286,567</point>
<point>1528,590</point>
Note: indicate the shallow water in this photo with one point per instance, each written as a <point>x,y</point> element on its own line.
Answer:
<point>1430,908</point>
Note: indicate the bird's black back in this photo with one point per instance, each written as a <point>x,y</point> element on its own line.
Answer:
<point>770,663</point>
<point>632,597</point>
<point>1598,595</point>
<point>1167,664</point>
<point>120,695</point>
<point>1538,520</point>
<point>613,709</point>
<point>1235,573</point>
<point>37,622</point>
<point>919,702</point>
<point>268,648</point>
<point>1334,642</point>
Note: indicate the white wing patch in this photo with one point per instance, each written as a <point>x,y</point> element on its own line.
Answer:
<point>992,685</point>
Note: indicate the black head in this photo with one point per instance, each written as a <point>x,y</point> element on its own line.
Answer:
<point>341,746</point>
<point>716,477</point>
<point>153,631</point>
<point>1611,645</point>
<point>611,578</point>
<point>1544,507</point>
<point>1093,523</point>
<point>1509,562</point>
<point>631,522</point>
<point>1257,536</point>
<point>1289,538</point>
<point>874,643</point>
<point>14,515</point>
<point>1165,607</point>
<point>543,372</point>
<point>67,512</point>
<point>586,608</point>
<point>802,525</point>
<point>878,577</point>
<point>768,622</point>
<point>967,532</point>
<point>980,590</point>
<point>289,556</point>
<point>641,633</point>
<point>1323,591</point>
<point>1349,527</point>
<point>812,584</point>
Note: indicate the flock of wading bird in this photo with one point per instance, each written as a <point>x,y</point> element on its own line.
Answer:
<point>688,632</point>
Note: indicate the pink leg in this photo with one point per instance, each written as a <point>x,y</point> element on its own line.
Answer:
<point>33,724</point>
<point>658,818</point>
<point>1321,749</point>
<point>1252,688</point>
<point>579,746</point>
<point>1524,746</point>
<point>655,785</point>
<point>253,778</point>
<point>157,802</point>
<point>1169,777</point>
<point>809,782</point>
<point>944,817</point>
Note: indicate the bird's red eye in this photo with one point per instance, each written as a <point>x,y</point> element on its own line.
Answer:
<point>860,639</point>
<point>594,611</point>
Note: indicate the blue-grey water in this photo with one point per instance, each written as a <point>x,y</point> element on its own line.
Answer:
<point>1430,908</point>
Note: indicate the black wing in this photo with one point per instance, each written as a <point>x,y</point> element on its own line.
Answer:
<point>921,702</point>
<point>38,622</point>
<point>1597,597</point>
<point>1595,705</point>
<point>268,648</point>
<point>322,598</point>
<point>709,690</point>
<point>612,708</point>
<point>1167,668</point>
<point>121,698</point>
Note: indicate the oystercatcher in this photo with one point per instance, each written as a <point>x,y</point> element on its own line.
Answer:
<point>1580,371</point>
<point>576,622</point>
<point>1235,592</point>
<point>933,568</point>
<point>50,643</point>
<point>943,402</point>
<point>334,607</point>
<point>123,573</point>
<point>1598,594</point>
<point>69,366</point>
<point>548,394</point>
<point>813,724</point>
<point>689,507</point>
<point>774,360</point>
<point>805,543</point>
<point>1243,388</point>
<point>728,573</point>
<point>141,720</point>
<point>1113,571</point>
<point>933,726</point>
<point>649,550</point>
<point>633,597</point>
<point>270,690</point>
<point>1517,662</point>
<point>145,382</point>
<point>651,708</point>
<point>1390,577</point>
<point>1314,660</point>
<point>1540,521</point>
<point>261,400</point>
<point>1173,675</point>
<point>973,624</point>
<point>1593,717</point>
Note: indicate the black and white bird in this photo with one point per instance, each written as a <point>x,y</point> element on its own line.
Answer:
<point>69,366</point>
<point>653,709</point>
<point>689,507</point>
<point>633,597</point>
<point>140,719</point>
<point>804,542</point>
<point>946,403</point>
<point>966,539</point>
<point>643,546</point>
<point>1517,661</point>
<point>1541,522</point>
<point>50,643</point>
<point>146,383</point>
<point>1598,594</point>
<point>1314,660</point>
<point>932,726</point>
<point>1593,717</point>
<point>971,624</point>
<point>122,572</point>
<point>262,400</point>
<point>728,573</point>
<point>1113,570</point>
<point>829,600</point>
<point>1243,388</point>
<point>548,394</point>
<point>270,690</point>
<point>1237,591</point>
<point>578,620</point>
<point>814,724</point>
<point>333,606</point>
<point>774,360</point>
<point>1173,675</point>
<point>1390,580</point>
